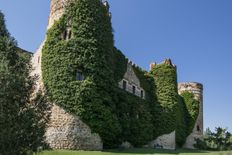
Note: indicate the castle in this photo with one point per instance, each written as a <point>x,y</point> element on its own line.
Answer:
<point>68,131</point>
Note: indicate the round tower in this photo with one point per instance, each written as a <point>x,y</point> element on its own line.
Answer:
<point>57,9</point>
<point>197,90</point>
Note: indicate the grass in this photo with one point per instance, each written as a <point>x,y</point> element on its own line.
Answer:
<point>136,152</point>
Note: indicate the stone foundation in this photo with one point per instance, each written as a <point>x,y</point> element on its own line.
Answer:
<point>66,131</point>
<point>167,141</point>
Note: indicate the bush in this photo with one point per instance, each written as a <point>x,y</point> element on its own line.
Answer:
<point>218,140</point>
<point>22,120</point>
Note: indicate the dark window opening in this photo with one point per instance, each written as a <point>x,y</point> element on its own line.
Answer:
<point>133,89</point>
<point>142,93</point>
<point>124,85</point>
<point>198,128</point>
<point>80,76</point>
<point>65,35</point>
<point>70,34</point>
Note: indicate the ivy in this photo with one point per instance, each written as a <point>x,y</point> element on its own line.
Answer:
<point>89,50</point>
<point>22,119</point>
<point>167,97</point>
<point>192,107</point>
<point>116,115</point>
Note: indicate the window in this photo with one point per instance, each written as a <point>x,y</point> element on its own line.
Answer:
<point>38,59</point>
<point>133,89</point>
<point>198,128</point>
<point>69,34</point>
<point>142,94</point>
<point>79,76</point>
<point>65,34</point>
<point>124,84</point>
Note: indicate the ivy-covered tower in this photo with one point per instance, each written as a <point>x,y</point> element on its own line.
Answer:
<point>73,68</point>
<point>197,90</point>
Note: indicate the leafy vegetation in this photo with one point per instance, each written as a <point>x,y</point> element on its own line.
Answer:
<point>192,106</point>
<point>221,139</point>
<point>82,42</point>
<point>21,119</point>
<point>187,113</point>
<point>167,96</point>
<point>90,51</point>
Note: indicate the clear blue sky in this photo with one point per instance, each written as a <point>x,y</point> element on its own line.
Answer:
<point>195,34</point>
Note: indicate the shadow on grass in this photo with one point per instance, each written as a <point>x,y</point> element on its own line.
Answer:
<point>152,151</point>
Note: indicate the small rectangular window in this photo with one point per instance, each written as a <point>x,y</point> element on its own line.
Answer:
<point>142,94</point>
<point>70,34</point>
<point>133,89</point>
<point>79,76</point>
<point>65,35</point>
<point>124,85</point>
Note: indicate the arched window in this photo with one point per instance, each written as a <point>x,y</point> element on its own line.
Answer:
<point>198,128</point>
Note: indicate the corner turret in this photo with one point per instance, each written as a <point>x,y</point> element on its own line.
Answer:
<point>197,90</point>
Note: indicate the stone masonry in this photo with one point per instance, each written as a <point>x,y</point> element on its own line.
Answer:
<point>64,131</point>
<point>131,81</point>
<point>56,10</point>
<point>197,90</point>
<point>167,141</point>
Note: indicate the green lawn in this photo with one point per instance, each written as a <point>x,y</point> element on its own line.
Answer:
<point>136,152</point>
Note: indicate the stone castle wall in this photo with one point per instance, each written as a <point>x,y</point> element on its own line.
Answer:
<point>57,9</point>
<point>197,90</point>
<point>167,141</point>
<point>64,131</point>
<point>132,81</point>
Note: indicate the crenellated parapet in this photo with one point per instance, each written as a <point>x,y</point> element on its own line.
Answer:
<point>167,62</point>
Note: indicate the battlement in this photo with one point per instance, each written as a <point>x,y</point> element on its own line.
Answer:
<point>166,62</point>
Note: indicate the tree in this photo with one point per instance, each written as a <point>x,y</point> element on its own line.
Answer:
<point>218,140</point>
<point>21,122</point>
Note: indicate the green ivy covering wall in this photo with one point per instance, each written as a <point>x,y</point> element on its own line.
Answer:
<point>116,115</point>
<point>192,107</point>
<point>89,50</point>
<point>167,96</point>
<point>182,122</point>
